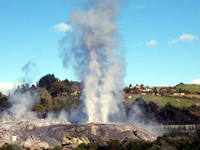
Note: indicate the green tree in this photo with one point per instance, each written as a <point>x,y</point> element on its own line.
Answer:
<point>47,81</point>
<point>155,91</point>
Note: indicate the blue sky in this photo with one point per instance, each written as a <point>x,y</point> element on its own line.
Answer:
<point>161,39</point>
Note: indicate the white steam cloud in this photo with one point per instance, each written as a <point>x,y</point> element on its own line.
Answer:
<point>98,58</point>
<point>62,116</point>
<point>24,97</point>
<point>22,104</point>
<point>100,65</point>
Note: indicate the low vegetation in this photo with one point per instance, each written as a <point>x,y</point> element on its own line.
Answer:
<point>162,143</point>
<point>10,147</point>
<point>175,101</point>
<point>167,115</point>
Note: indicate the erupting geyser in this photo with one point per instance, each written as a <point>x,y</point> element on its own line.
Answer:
<point>94,43</point>
<point>98,61</point>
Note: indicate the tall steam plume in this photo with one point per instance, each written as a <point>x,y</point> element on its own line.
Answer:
<point>96,53</point>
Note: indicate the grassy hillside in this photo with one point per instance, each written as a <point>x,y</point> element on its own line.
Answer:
<point>174,101</point>
<point>162,101</point>
<point>189,87</point>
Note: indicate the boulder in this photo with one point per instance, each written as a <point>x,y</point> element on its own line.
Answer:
<point>35,143</point>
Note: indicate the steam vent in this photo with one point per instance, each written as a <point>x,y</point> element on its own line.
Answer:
<point>44,135</point>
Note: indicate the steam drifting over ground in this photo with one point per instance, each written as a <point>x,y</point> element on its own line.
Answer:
<point>23,100</point>
<point>21,105</point>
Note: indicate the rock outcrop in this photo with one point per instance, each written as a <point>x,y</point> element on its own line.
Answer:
<point>44,135</point>
<point>34,143</point>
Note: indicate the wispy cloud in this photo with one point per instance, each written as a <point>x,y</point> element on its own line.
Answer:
<point>196,81</point>
<point>183,37</point>
<point>152,43</point>
<point>62,27</point>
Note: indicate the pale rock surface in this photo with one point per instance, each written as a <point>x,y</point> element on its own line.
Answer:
<point>40,134</point>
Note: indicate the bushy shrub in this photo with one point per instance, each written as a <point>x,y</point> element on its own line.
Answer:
<point>162,143</point>
<point>57,148</point>
<point>10,147</point>
<point>136,144</point>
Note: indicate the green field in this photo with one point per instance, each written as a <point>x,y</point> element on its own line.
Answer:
<point>161,101</point>
<point>189,87</point>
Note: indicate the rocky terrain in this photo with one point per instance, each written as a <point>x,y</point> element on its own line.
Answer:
<point>40,134</point>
